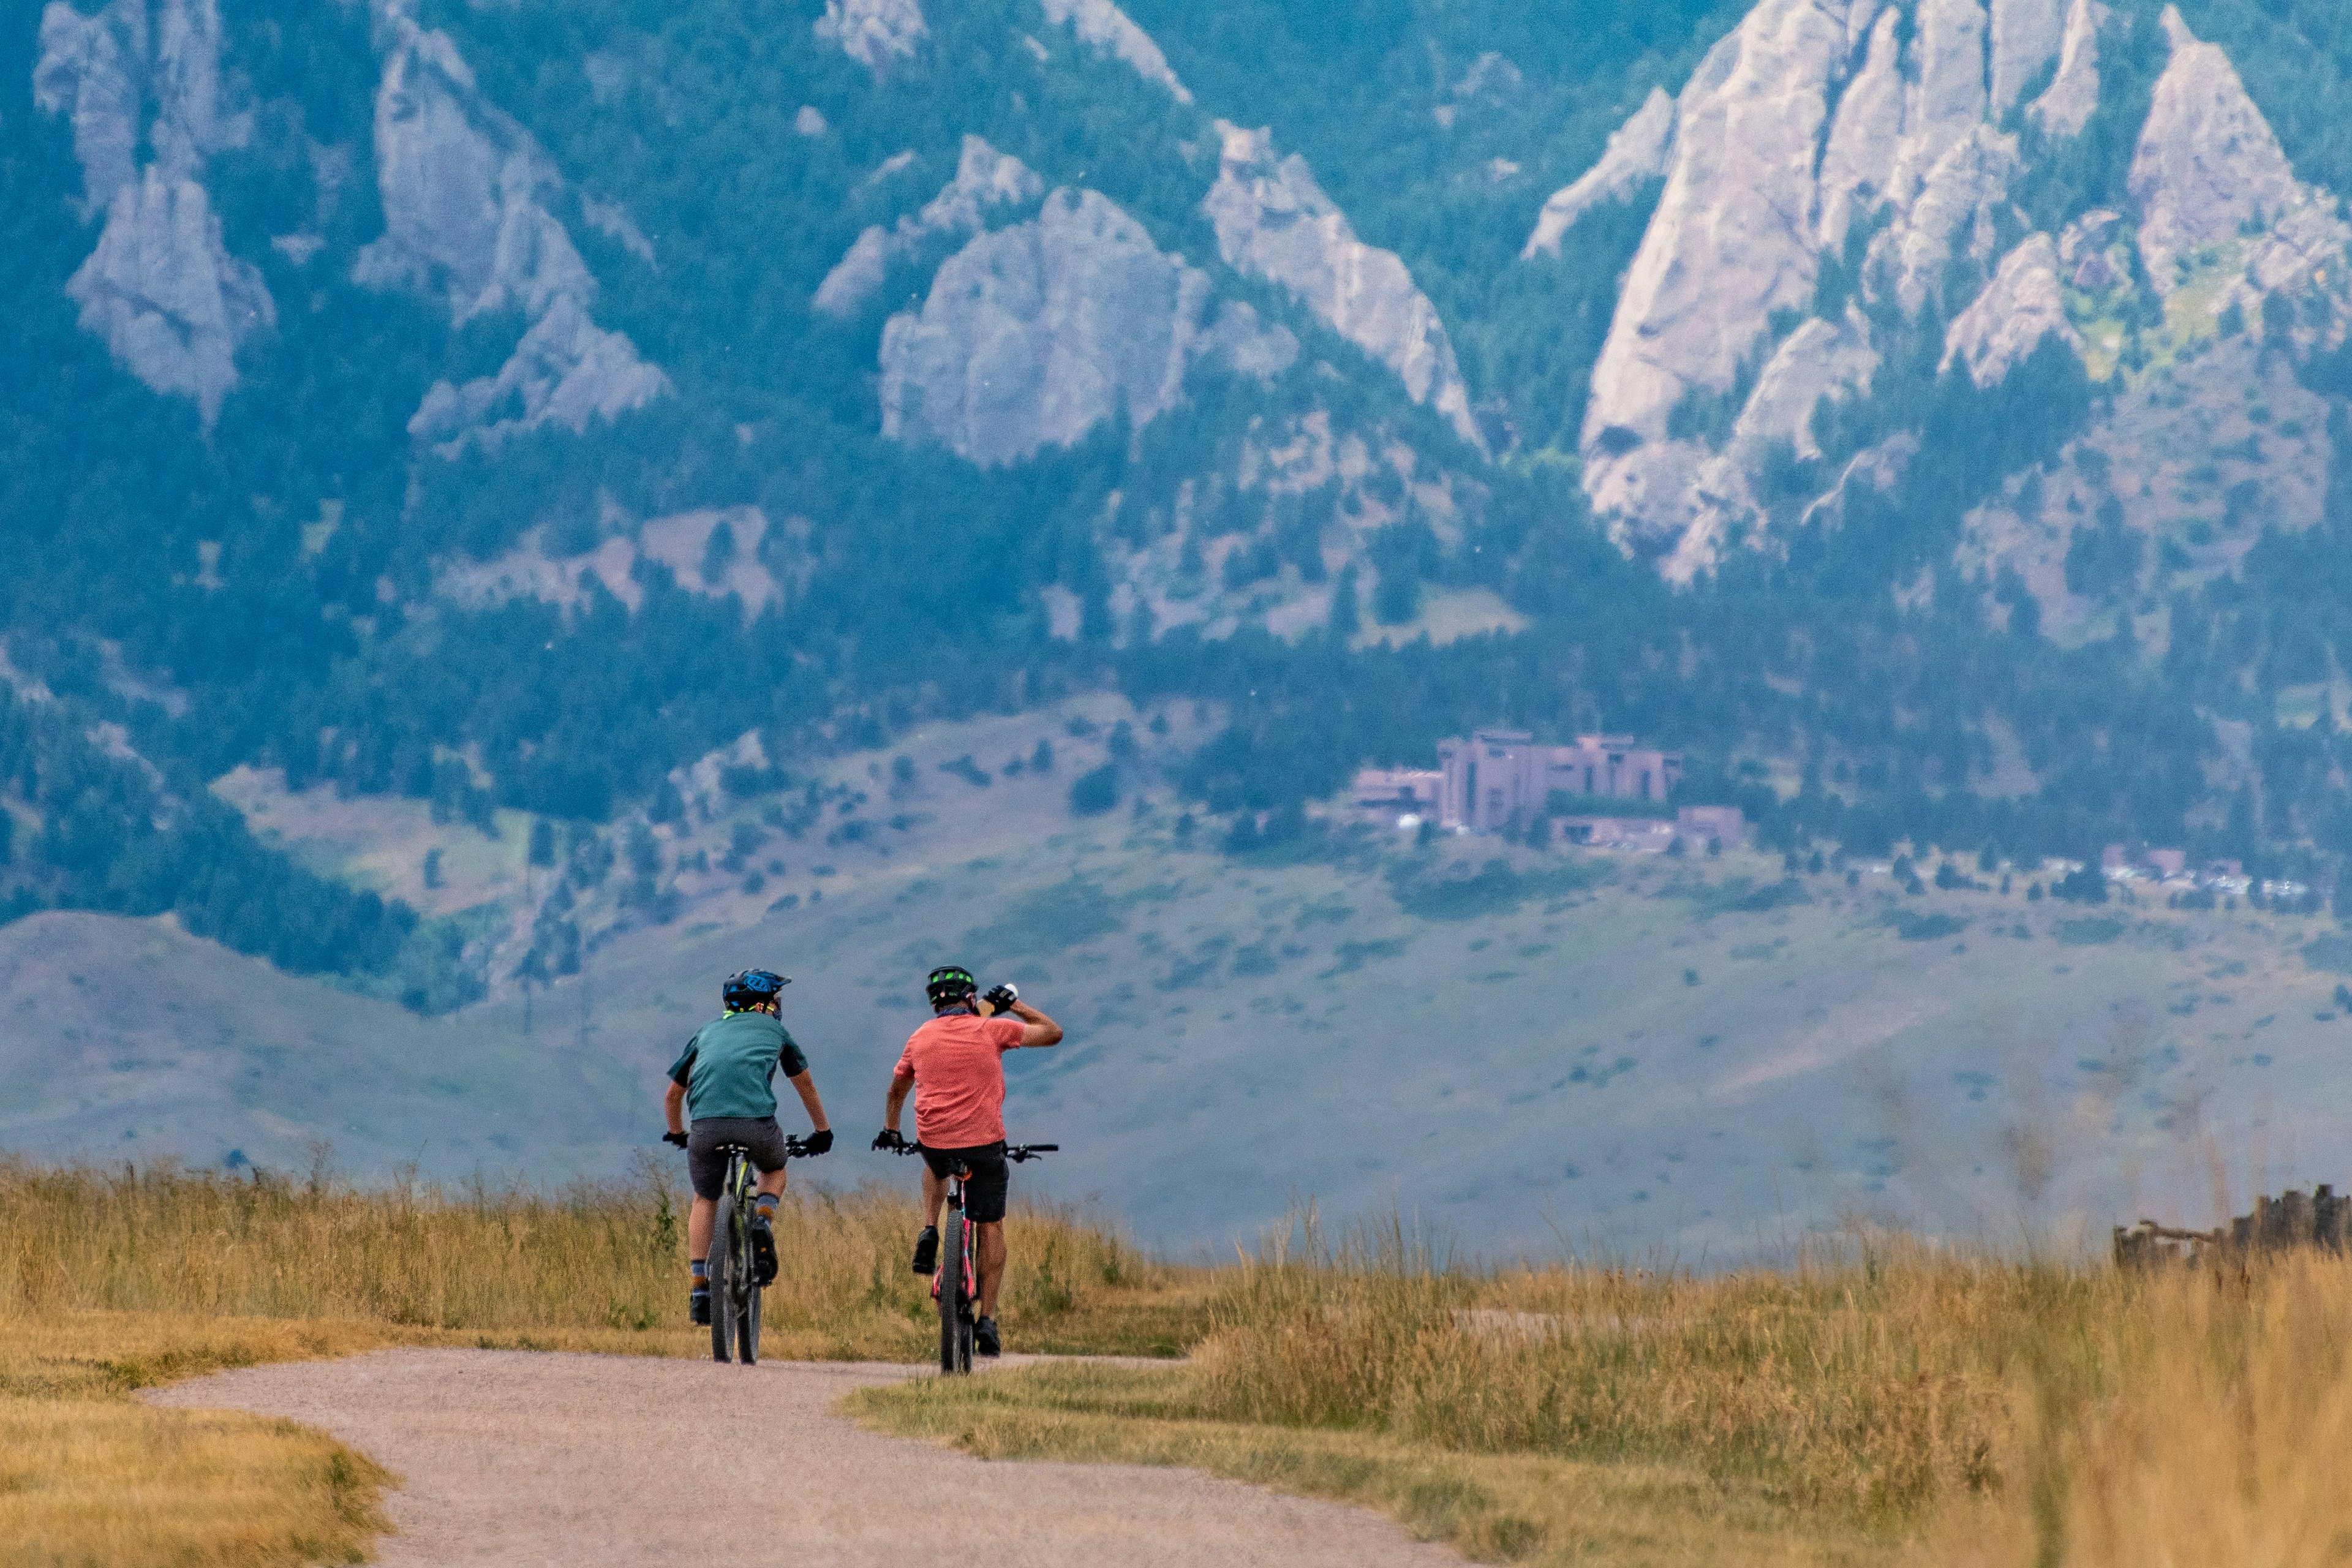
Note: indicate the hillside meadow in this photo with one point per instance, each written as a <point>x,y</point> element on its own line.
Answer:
<point>1883,1400</point>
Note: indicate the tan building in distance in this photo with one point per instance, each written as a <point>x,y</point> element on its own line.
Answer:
<point>1499,779</point>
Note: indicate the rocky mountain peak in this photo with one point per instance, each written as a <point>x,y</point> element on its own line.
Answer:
<point>1273,221</point>
<point>465,192</point>
<point>160,288</point>
<point>1105,27</point>
<point>2213,186</point>
<point>984,180</point>
<point>1638,152</point>
<point>1034,334</point>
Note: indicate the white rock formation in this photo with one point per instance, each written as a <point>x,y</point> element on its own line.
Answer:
<point>1034,334</point>
<point>2212,183</point>
<point>1638,152</point>
<point>1273,221</point>
<point>167,296</point>
<point>1105,26</point>
<point>1733,240</point>
<point>1858,164</point>
<point>2026,35</point>
<point>566,371</point>
<point>2019,308</point>
<point>173,305</point>
<point>1954,212</point>
<point>462,185</point>
<point>1948,99</point>
<point>465,191</point>
<point>985,179</point>
<point>1821,358</point>
<point>873,32</point>
<point>2073,93</point>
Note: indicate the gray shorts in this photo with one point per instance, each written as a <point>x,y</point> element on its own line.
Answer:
<point>707,1167</point>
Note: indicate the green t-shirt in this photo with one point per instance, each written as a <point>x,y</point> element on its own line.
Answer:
<point>730,1066</point>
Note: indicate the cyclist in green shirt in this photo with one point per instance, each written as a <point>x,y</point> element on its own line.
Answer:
<point>725,1079</point>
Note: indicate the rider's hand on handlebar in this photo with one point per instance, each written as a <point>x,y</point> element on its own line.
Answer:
<point>677,1138</point>
<point>818,1141</point>
<point>890,1138</point>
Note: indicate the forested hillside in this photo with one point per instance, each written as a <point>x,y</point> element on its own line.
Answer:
<point>504,406</point>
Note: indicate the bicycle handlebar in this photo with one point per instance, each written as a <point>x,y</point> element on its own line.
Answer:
<point>793,1148</point>
<point>1017,1152</point>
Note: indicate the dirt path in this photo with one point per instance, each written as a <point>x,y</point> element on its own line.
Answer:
<point>515,1458</point>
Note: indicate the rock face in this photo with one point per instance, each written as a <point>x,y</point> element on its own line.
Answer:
<point>1034,334</point>
<point>1954,212</point>
<point>1858,164</point>
<point>565,371</point>
<point>1105,26</point>
<point>2026,35</point>
<point>2073,93</point>
<point>2022,306</point>
<point>161,288</point>
<point>1732,241</point>
<point>873,32</point>
<point>2212,183</point>
<point>1821,358</point>
<point>465,188</point>
<point>167,296</point>
<point>985,179</point>
<point>1273,221</point>
<point>1638,152</point>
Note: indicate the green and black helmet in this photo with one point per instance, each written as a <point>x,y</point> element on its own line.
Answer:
<point>949,983</point>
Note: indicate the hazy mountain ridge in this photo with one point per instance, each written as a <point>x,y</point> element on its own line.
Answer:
<point>472,357</point>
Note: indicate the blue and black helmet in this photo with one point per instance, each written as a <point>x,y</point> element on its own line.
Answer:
<point>752,988</point>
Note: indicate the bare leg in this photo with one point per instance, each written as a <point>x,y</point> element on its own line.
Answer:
<point>935,1197</point>
<point>990,1248</point>
<point>771,1182</point>
<point>698,1227</point>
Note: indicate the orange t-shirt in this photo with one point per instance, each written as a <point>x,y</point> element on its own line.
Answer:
<point>956,1061</point>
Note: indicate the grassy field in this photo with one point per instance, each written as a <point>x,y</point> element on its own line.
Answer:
<point>1886,1402</point>
<point>110,1282</point>
<point>1905,1406</point>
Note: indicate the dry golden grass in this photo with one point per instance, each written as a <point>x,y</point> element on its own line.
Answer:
<point>1906,1405</point>
<point>1896,1404</point>
<point>113,1281</point>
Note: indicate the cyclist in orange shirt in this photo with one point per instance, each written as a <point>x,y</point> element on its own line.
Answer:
<point>958,1059</point>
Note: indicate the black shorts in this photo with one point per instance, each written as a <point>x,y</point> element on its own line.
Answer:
<point>984,1190</point>
<point>707,1167</point>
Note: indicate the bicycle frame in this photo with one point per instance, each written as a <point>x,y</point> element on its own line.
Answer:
<point>735,1295</point>
<point>956,1323</point>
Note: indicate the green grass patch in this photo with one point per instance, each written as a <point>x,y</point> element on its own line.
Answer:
<point>2091,931</point>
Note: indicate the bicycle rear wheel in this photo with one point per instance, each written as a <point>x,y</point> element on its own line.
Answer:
<point>747,1320</point>
<point>724,1266</point>
<point>955,1350</point>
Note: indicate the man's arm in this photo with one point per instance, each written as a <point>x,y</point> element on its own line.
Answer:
<point>805,1087</point>
<point>900,1087</point>
<point>1036,1029</point>
<point>674,1107</point>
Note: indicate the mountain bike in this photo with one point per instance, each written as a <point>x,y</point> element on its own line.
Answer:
<point>734,1289</point>
<point>956,1286</point>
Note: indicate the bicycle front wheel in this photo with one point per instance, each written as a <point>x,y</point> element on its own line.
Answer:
<point>955,1353</point>
<point>724,1266</point>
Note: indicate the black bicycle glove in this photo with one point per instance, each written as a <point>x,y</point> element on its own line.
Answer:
<point>677,1138</point>
<point>818,1141</point>
<point>1000,998</point>
<point>889,1138</point>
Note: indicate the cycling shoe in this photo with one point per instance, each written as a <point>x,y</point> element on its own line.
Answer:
<point>763,1253</point>
<point>698,1306</point>
<point>927,1250</point>
<point>985,1341</point>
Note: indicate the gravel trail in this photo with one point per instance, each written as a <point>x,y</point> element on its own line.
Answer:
<point>516,1459</point>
